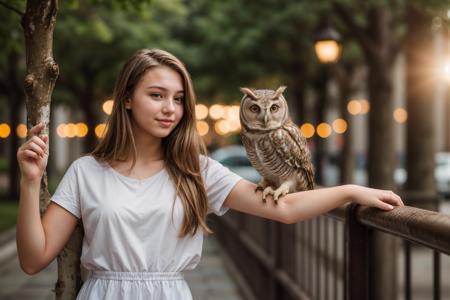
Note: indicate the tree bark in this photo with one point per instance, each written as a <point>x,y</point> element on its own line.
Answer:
<point>421,84</point>
<point>380,47</point>
<point>41,74</point>
<point>381,146</point>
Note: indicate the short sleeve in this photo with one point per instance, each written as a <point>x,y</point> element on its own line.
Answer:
<point>219,181</point>
<point>67,192</point>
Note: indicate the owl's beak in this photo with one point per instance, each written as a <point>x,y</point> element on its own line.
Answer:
<point>266,119</point>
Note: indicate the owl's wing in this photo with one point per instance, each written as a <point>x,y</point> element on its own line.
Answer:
<point>292,149</point>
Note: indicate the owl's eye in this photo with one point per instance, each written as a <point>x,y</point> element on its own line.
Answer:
<point>254,108</point>
<point>274,108</point>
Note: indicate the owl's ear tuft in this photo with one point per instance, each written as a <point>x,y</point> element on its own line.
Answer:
<point>248,92</point>
<point>279,91</point>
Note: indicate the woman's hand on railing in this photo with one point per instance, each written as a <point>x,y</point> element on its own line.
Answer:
<point>382,199</point>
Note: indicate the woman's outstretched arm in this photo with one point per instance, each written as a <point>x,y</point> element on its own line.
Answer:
<point>299,206</point>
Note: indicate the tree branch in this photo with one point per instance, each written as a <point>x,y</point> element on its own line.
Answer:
<point>359,33</point>
<point>14,9</point>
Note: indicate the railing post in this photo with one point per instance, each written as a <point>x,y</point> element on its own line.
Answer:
<point>274,242</point>
<point>357,285</point>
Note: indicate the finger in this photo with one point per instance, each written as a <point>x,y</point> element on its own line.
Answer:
<point>34,147</point>
<point>45,139</point>
<point>30,154</point>
<point>392,198</point>
<point>398,199</point>
<point>384,206</point>
<point>39,141</point>
<point>35,130</point>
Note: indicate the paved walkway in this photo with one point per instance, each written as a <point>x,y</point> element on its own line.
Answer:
<point>209,281</point>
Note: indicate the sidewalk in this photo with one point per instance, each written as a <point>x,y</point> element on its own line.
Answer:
<point>209,281</point>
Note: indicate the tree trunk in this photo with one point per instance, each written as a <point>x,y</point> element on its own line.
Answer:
<point>421,84</point>
<point>380,47</point>
<point>381,145</point>
<point>41,74</point>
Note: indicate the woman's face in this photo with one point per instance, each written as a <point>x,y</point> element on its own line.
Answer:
<point>157,103</point>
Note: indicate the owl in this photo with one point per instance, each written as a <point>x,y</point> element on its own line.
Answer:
<point>274,144</point>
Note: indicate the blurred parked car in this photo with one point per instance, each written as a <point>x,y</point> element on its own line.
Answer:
<point>235,158</point>
<point>441,173</point>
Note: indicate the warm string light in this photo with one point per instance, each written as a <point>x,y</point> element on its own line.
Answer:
<point>226,122</point>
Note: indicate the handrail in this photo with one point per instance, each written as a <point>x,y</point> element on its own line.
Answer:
<point>338,213</point>
<point>428,228</point>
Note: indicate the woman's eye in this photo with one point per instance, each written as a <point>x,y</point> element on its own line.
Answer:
<point>156,95</point>
<point>179,99</point>
<point>274,108</point>
<point>254,108</point>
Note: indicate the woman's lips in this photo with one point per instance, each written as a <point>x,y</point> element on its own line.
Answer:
<point>165,123</point>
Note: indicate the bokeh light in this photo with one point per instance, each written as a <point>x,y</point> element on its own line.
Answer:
<point>216,111</point>
<point>354,107</point>
<point>60,130</point>
<point>232,112</point>
<point>108,106</point>
<point>82,129</point>
<point>365,106</point>
<point>100,130</point>
<point>327,51</point>
<point>202,128</point>
<point>400,115</point>
<point>307,130</point>
<point>323,130</point>
<point>22,131</point>
<point>201,111</point>
<point>234,125</point>
<point>339,126</point>
<point>222,127</point>
<point>5,130</point>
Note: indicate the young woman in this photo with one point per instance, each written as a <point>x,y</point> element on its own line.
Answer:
<point>144,193</point>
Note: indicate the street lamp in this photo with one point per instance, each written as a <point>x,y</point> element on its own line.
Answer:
<point>328,45</point>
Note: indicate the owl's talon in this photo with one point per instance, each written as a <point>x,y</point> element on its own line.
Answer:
<point>259,188</point>
<point>267,191</point>
<point>280,192</point>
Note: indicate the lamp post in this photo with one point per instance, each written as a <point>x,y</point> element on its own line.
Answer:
<point>327,45</point>
<point>328,48</point>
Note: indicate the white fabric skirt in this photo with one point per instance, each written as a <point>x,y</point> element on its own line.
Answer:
<point>110,285</point>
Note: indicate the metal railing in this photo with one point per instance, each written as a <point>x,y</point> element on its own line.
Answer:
<point>310,260</point>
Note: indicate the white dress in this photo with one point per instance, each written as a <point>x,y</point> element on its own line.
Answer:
<point>130,242</point>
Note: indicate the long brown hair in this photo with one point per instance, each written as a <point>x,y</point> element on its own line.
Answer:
<point>181,148</point>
